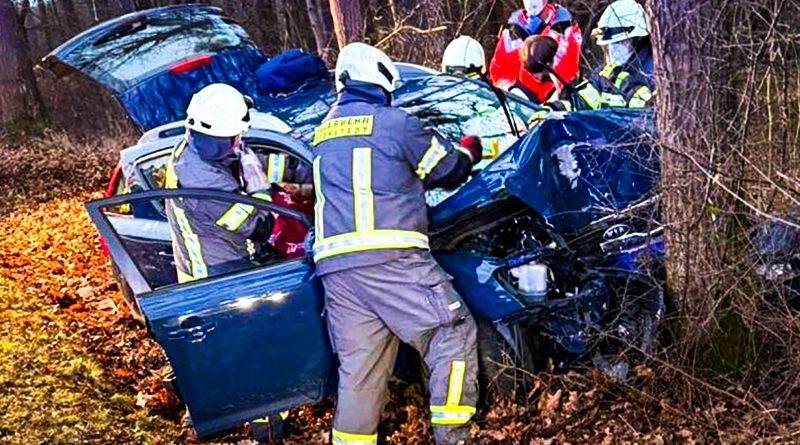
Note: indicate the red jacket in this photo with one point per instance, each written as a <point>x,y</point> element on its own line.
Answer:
<point>506,70</point>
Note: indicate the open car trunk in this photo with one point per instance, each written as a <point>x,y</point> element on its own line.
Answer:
<point>153,61</point>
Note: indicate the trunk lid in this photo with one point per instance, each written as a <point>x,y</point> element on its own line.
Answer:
<point>153,61</point>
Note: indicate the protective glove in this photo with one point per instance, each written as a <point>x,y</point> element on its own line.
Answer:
<point>539,116</point>
<point>473,147</point>
<point>255,178</point>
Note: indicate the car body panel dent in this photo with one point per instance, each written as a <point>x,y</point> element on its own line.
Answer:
<point>571,170</point>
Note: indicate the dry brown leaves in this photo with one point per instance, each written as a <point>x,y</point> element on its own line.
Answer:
<point>53,250</point>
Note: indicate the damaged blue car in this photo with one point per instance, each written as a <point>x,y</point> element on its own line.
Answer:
<point>555,245</point>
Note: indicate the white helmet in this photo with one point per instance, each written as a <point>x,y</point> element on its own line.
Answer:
<point>622,20</point>
<point>218,110</point>
<point>464,53</point>
<point>363,63</point>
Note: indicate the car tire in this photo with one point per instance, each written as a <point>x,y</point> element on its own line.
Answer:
<point>631,331</point>
<point>504,361</point>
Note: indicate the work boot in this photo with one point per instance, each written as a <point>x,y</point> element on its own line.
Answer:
<point>452,435</point>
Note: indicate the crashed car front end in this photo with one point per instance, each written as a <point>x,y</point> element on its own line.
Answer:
<point>561,235</point>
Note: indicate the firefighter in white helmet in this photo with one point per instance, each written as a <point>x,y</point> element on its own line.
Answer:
<point>211,237</point>
<point>372,165</point>
<point>625,80</point>
<point>464,56</point>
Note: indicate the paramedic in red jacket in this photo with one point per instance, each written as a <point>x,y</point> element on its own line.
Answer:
<point>539,17</point>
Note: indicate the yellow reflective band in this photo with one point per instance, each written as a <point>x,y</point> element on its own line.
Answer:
<point>451,415</point>
<point>184,277</point>
<point>192,244</point>
<point>613,100</point>
<point>373,240</point>
<point>591,96</point>
<point>621,78</point>
<point>276,166</point>
<point>641,97</point>
<point>342,438</point>
<point>170,177</point>
<point>319,205</point>
<point>457,368</point>
<point>539,116</point>
<point>493,150</point>
<point>235,216</point>
<point>435,153</point>
<point>342,127</point>
<point>608,70</point>
<point>363,207</point>
<point>262,196</point>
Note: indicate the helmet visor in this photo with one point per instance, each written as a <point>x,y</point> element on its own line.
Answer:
<point>611,33</point>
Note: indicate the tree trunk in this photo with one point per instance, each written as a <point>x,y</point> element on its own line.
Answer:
<point>71,22</point>
<point>46,26</point>
<point>19,94</point>
<point>702,138</point>
<point>282,15</point>
<point>348,24</point>
<point>319,16</point>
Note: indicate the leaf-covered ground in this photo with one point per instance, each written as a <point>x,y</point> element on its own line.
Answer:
<point>75,368</point>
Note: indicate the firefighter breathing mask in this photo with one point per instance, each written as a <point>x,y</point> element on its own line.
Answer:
<point>619,53</point>
<point>213,148</point>
<point>535,7</point>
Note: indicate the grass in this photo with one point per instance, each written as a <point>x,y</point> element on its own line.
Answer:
<point>53,391</point>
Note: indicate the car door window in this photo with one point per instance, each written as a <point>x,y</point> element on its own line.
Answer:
<point>218,234</point>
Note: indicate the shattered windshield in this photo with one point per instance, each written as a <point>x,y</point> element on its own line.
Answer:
<point>455,106</point>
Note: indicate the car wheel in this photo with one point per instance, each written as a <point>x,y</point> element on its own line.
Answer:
<point>629,332</point>
<point>504,360</point>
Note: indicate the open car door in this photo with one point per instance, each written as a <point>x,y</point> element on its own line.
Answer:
<point>243,345</point>
<point>152,61</point>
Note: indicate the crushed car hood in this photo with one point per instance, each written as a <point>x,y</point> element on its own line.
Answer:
<point>572,169</point>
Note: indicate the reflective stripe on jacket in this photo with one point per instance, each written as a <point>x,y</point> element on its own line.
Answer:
<point>209,237</point>
<point>372,165</point>
<point>614,86</point>
<point>280,167</point>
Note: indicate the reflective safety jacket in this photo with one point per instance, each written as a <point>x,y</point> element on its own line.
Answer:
<point>372,165</point>
<point>281,167</point>
<point>611,86</point>
<point>210,237</point>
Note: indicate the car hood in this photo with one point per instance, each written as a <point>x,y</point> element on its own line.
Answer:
<point>572,169</point>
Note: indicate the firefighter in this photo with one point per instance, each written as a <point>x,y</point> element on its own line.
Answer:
<point>537,18</point>
<point>464,56</point>
<point>373,163</point>
<point>626,78</point>
<point>537,56</point>
<point>213,237</point>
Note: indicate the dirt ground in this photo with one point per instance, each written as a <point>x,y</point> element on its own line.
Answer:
<point>75,368</point>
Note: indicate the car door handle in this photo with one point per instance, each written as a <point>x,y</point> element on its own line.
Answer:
<point>193,329</point>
